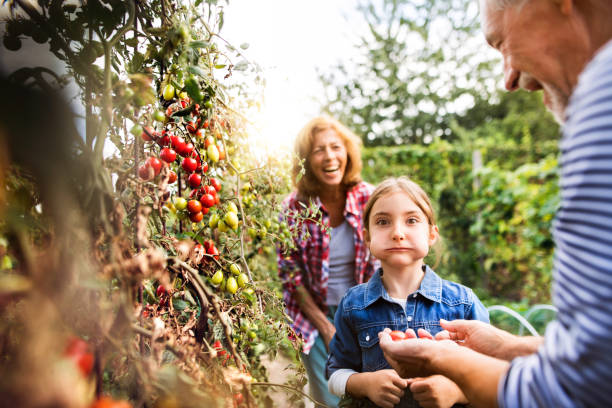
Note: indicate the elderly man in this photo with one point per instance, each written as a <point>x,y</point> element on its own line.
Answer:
<point>564,48</point>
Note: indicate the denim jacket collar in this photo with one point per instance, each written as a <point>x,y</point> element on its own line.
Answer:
<point>431,287</point>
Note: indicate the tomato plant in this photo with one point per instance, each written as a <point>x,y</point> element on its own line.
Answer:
<point>160,261</point>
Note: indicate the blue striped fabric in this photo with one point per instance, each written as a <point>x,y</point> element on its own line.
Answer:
<point>574,366</point>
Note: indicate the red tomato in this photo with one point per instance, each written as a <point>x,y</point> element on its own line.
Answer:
<point>204,167</point>
<point>155,164</point>
<point>172,177</point>
<point>195,180</point>
<point>208,141</point>
<point>191,127</point>
<point>146,172</point>
<point>164,140</point>
<point>194,206</point>
<point>221,151</point>
<point>145,136</point>
<point>78,351</point>
<point>186,149</point>
<point>196,217</point>
<point>161,290</point>
<point>167,154</point>
<point>190,165</point>
<point>207,200</point>
<point>215,183</point>
<point>106,402</point>
<point>213,251</point>
<point>206,123</point>
<point>398,335</point>
<point>210,190</point>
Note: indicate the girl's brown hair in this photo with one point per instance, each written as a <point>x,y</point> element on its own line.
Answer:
<point>416,194</point>
<point>308,185</point>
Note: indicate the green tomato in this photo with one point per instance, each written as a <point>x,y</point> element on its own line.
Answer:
<point>217,278</point>
<point>213,153</point>
<point>235,269</point>
<point>214,220</point>
<point>180,203</point>
<point>231,219</point>
<point>243,279</point>
<point>168,92</point>
<point>159,116</point>
<point>222,226</point>
<point>136,130</point>
<point>252,232</point>
<point>262,232</point>
<point>231,207</point>
<point>231,285</point>
<point>252,335</point>
<point>268,223</point>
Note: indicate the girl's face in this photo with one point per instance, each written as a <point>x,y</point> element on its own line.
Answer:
<point>399,234</point>
<point>328,158</point>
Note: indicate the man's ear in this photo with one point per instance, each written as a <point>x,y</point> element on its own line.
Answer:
<point>566,6</point>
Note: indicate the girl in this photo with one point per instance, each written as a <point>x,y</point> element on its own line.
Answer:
<point>404,294</point>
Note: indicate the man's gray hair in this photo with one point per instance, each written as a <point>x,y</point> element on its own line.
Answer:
<point>503,4</point>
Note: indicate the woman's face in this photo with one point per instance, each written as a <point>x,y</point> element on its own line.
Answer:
<point>328,158</point>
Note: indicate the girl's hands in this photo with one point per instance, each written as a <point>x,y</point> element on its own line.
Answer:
<point>385,388</point>
<point>436,391</point>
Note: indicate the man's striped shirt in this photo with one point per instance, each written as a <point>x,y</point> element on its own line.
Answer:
<point>573,368</point>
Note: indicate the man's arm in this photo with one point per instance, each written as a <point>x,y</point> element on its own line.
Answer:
<point>476,374</point>
<point>489,340</point>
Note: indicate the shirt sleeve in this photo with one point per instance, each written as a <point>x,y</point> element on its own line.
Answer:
<point>337,381</point>
<point>573,367</point>
<point>344,351</point>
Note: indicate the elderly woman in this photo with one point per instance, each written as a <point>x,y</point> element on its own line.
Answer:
<point>323,265</point>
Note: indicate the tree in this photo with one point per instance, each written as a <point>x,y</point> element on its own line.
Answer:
<point>415,72</point>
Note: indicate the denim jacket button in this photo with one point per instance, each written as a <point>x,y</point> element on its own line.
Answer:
<point>409,318</point>
<point>368,337</point>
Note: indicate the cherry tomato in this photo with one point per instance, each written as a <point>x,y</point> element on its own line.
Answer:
<point>146,172</point>
<point>155,164</point>
<point>172,177</point>
<point>194,206</point>
<point>207,200</point>
<point>78,351</point>
<point>398,335</point>
<point>190,165</point>
<point>145,136</point>
<point>213,251</point>
<point>204,167</point>
<point>161,290</point>
<point>196,217</point>
<point>167,154</point>
<point>194,180</point>
<point>215,183</point>
<point>107,402</point>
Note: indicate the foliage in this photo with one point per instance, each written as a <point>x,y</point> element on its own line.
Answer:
<point>497,236</point>
<point>420,64</point>
<point>177,301</point>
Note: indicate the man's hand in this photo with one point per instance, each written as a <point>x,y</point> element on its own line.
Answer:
<point>384,388</point>
<point>436,392</point>
<point>487,339</point>
<point>412,357</point>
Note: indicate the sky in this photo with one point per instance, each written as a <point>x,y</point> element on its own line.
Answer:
<point>290,40</point>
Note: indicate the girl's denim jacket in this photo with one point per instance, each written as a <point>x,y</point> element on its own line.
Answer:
<point>367,309</point>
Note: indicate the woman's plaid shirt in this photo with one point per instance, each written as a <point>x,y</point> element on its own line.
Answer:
<point>308,264</point>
